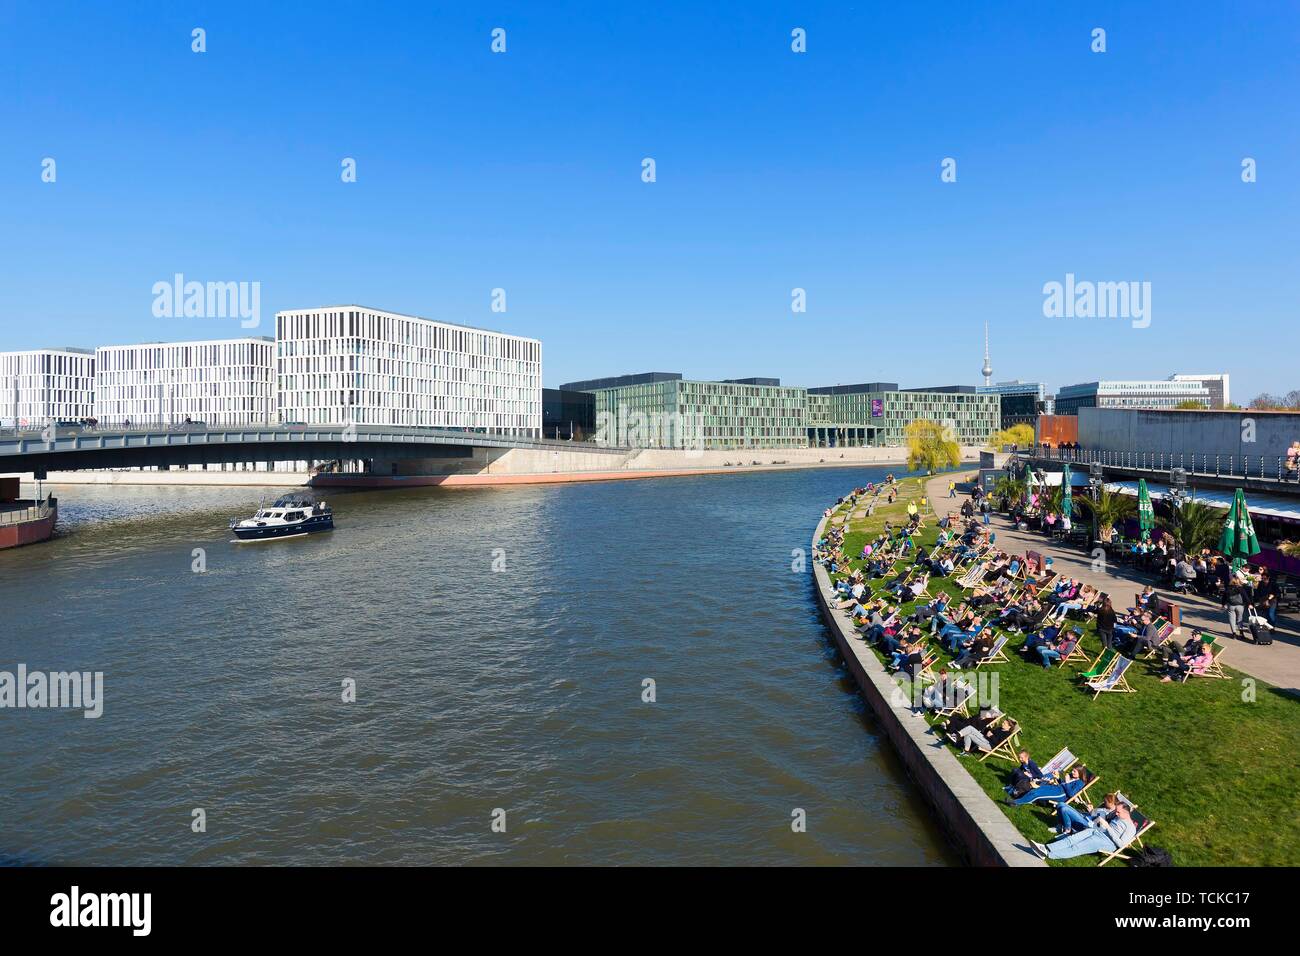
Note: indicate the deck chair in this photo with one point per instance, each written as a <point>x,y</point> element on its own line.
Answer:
<point>1215,669</point>
<point>1009,747</point>
<point>972,576</point>
<point>960,702</point>
<point>1062,762</point>
<point>1046,584</point>
<point>1072,648</point>
<point>1164,631</point>
<point>1101,666</point>
<point>995,654</point>
<point>928,658</point>
<point>1015,570</point>
<point>1114,681</point>
<point>1089,778</point>
<point>1141,821</point>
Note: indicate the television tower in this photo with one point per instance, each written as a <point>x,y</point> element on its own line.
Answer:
<point>987,370</point>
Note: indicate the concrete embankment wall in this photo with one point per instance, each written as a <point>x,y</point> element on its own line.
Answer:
<point>975,824</point>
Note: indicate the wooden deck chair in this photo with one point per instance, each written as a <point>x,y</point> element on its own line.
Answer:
<point>1141,821</point>
<point>972,576</point>
<point>1046,583</point>
<point>1062,762</point>
<point>1102,665</point>
<point>1114,681</point>
<point>960,702</point>
<point>1072,648</point>
<point>1015,569</point>
<point>1089,778</point>
<point>995,655</point>
<point>1214,669</point>
<point>1008,748</point>
<point>928,658</point>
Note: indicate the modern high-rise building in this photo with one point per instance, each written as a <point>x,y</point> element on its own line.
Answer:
<point>217,382</point>
<point>1216,385</point>
<point>1021,402</point>
<point>1160,393</point>
<point>347,364</point>
<point>40,386</point>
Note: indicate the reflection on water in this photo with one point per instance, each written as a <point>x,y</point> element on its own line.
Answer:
<point>520,689</point>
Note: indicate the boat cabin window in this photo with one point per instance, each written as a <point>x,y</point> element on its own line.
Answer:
<point>293,516</point>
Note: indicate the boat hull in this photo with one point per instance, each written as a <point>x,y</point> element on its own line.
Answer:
<point>17,534</point>
<point>312,525</point>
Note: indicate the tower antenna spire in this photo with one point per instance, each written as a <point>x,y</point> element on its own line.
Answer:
<point>987,370</point>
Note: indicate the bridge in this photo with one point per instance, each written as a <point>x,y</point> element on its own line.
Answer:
<point>1267,473</point>
<point>168,446</point>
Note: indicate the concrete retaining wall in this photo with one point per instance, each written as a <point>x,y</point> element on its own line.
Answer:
<point>1183,432</point>
<point>978,828</point>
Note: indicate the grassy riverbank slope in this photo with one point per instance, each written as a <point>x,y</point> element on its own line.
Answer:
<point>1211,762</point>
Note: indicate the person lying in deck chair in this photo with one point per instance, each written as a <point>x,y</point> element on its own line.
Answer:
<point>1085,598</point>
<point>975,651</point>
<point>958,635</point>
<point>1054,792</point>
<point>1107,835</point>
<point>1145,639</point>
<point>1072,819</point>
<point>1025,777</point>
<point>1195,657</point>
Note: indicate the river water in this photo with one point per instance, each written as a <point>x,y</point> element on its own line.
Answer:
<point>519,689</point>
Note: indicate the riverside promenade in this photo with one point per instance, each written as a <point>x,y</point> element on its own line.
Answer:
<point>1277,664</point>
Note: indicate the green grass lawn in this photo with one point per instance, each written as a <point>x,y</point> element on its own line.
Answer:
<point>1218,774</point>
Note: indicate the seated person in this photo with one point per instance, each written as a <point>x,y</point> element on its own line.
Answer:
<point>1058,791</point>
<point>1194,658</point>
<point>1086,596</point>
<point>926,612</point>
<point>1049,651</point>
<point>975,651</point>
<point>1106,835</point>
<point>1072,819</point>
<point>1146,639</point>
<point>1025,777</point>
<point>945,692</point>
<point>959,633</point>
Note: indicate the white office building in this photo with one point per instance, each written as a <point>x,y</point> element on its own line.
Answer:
<point>1217,385</point>
<point>217,382</point>
<point>1166,393</point>
<point>348,364</point>
<point>46,385</point>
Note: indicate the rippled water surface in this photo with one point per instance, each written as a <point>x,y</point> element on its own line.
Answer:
<point>476,690</point>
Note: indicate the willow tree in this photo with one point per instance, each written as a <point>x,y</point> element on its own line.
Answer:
<point>930,446</point>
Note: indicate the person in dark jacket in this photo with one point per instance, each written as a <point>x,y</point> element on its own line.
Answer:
<point>1106,618</point>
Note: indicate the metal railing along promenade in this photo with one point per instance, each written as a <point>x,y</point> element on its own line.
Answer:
<point>1196,464</point>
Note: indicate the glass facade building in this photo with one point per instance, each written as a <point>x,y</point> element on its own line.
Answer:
<point>679,413</point>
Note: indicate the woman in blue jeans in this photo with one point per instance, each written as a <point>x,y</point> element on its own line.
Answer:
<point>1055,792</point>
<point>1105,836</point>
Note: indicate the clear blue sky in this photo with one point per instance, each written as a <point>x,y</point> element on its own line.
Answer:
<point>775,170</point>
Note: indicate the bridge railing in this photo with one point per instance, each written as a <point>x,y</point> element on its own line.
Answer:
<point>1260,467</point>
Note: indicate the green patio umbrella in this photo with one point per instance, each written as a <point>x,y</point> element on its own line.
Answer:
<point>1146,514</point>
<point>1238,540</point>
<point>1067,493</point>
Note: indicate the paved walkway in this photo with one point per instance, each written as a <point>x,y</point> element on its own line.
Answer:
<point>1277,663</point>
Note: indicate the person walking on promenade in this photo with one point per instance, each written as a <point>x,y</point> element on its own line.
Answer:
<point>952,489</point>
<point>1236,605</point>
